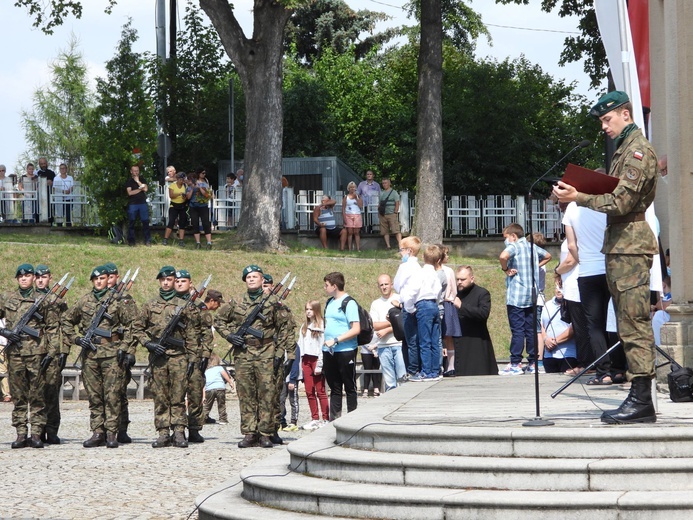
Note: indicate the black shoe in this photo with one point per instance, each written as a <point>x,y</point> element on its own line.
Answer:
<point>111,440</point>
<point>123,437</point>
<point>179,440</point>
<point>96,440</point>
<point>637,408</point>
<point>163,441</point>
<point>209,420</point>
<point>276,439</point>
<point>164,242</point>
<point>20,442</point>
<point>51,438</point>
<point>208,247</point>
<point>35,441</point>
<point>194,436</point>
<point>266,442</point>
<point>198,245</point>
<point>249,441</point>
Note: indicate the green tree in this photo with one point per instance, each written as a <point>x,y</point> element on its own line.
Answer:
<point>587,45</point>
<point>121,129</point>
<point>332,24</point>
<point>54,128</point>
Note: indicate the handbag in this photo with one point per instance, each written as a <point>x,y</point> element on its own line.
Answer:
<point>383,204</point>
<point>394,316</point>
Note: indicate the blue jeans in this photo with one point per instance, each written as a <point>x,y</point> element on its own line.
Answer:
<point>428,332</point>
<point>524,332</point>
<point>392,365</point>
<point>141,211</point>
<point>410,333</point>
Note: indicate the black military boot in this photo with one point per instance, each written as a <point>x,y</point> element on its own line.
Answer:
<point>50,438</point>
<point>179,440</point>
<point>265,442</point>
<point>123,437</point>
<point>35,441</point>
<point>249,441</point>
<point>111,440</point>
<point>20,442</point>
<point>276,439</point>
<point>194,436</point>
<point>638,406</point>
<point>163,441</point>
<point>97,439</point>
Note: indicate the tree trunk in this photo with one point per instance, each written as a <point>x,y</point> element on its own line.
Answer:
<point>258,62</point>
<point>429,217</point>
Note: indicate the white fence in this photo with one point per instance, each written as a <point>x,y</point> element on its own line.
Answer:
<point>465,215</point>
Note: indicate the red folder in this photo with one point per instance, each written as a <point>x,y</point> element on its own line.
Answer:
<point>589,181</point>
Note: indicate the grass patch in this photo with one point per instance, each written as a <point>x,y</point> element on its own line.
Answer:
<point>80,254</point>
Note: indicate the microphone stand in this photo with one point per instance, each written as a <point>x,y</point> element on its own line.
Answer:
<point>538,420</point>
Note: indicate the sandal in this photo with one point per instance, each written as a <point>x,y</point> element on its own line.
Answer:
<point>573,371</point>
<point>619,378</point>
<point>376,392</point>
<point>600,381</point>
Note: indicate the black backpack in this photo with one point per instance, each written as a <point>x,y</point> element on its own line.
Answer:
<point>366,335</point>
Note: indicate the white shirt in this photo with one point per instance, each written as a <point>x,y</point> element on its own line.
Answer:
<point>378,312</point>
<point>554,328</point>
<point>424,285</point>
<point>404,272</point>
<point>309,345</point>
<point>61,185</point>
<point>589,227</point>
<point>571,292</point>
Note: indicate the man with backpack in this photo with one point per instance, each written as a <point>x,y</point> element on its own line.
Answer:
<point>342,328</point>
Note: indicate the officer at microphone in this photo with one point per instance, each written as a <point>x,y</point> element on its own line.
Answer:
<point>629,245</point>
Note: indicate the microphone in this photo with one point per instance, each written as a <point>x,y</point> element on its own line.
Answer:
<point>582,144</point>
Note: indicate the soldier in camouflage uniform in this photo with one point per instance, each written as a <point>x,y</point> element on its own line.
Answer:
<point>53,373</point>
<point>102,370</point>
<point>28,356</point>
<point>255,359</point>
<point>129,360</point>
<point>169,363</point>
<point>288,357</point>
<point>196,373</point>
<point>629,245</point>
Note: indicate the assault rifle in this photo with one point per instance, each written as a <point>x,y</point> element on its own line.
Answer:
<point>22,326</point>
<point>174,323</point>
<point>246,327</point>
<point>94,333</point>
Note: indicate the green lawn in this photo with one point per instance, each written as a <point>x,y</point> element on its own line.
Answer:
<point>79,254</point>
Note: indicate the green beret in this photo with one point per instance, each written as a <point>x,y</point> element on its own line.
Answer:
<point>609,102</point>
<point>111,268</point>
<point>251,269</point>
<point>183,273</point>
<point>167,270</point>
<point>42,269</point>
<point>268,278</point>
<point>29,269</point>
<point>98,271</point>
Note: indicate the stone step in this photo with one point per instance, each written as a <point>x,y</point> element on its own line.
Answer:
<point>318,456</point>
<point>274,486</point>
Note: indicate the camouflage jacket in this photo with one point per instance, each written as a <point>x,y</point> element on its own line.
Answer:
<point>13,306</point>
<point>120,316</point>
<point>635,165</point>
<point>277,336</point>
<point>156,315</point>
<point>206,335</point>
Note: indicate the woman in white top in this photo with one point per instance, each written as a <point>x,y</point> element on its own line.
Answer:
<point>311,338</point>
<point>352,205</point>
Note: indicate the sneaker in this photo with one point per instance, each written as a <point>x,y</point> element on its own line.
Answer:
<point>164,242</point>
<point>323,423</point>
<point>433,377</point>
<point>181,243</point>
<point>530,369</point>
<point>209,246</point>
<point>198,245</point>
<point>540,366</point>
<point>290,428</point>
<point>417,378</point>
<point>312,425</point>
<point>512,370</point>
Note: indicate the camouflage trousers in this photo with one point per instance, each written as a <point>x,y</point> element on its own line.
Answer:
<point>255,386</point>
<point>196,386</point>
<point>103,380</point>
<point>54,380</point>
<point>28,390</point>
<point>628,277</point>
<point>124,419</point>
<point>220,397</point>
<point>169,385</point>
<point>278,381</point>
